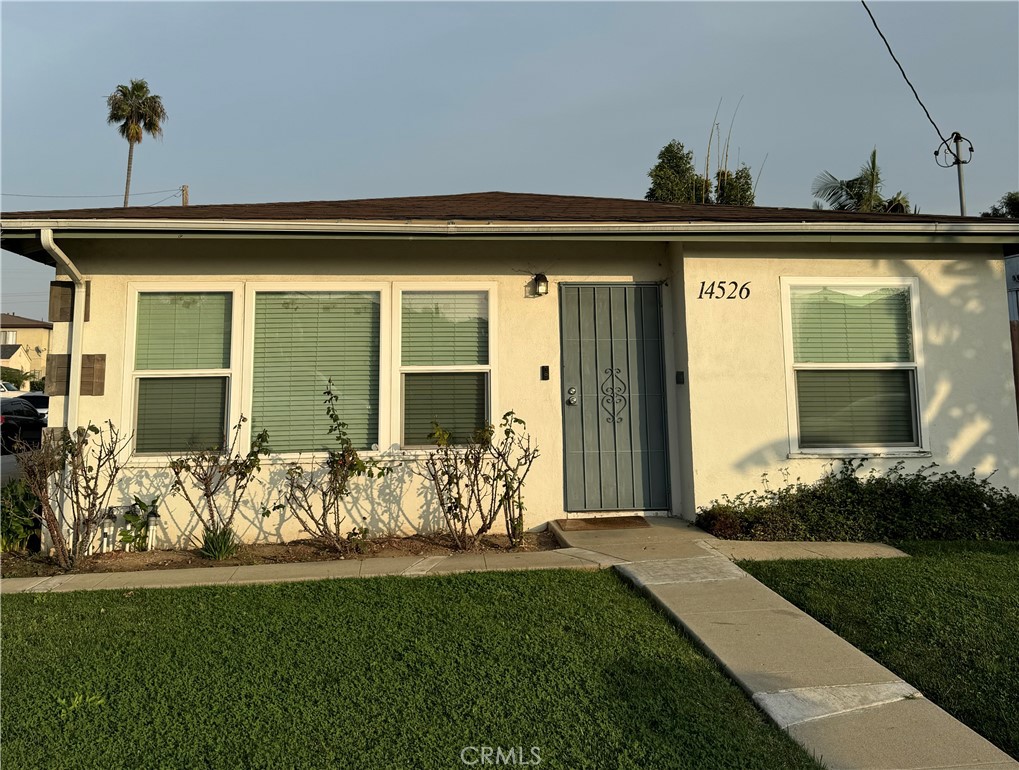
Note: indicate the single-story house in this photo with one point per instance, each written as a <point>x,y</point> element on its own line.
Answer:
<point>24,343</point>
<point>661,355</point>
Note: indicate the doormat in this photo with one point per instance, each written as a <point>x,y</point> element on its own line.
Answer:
<point>607,522</point>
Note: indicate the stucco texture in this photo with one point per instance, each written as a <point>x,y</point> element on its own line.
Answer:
<point>739,421</point>
<point>728,420</point>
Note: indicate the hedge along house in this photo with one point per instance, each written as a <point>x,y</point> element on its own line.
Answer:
<point>662,355</point>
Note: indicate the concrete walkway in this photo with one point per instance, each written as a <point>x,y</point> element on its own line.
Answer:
<point>564,558</point>
<point>842,706</point>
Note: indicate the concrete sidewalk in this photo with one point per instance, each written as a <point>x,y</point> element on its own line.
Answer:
<point>563,558</point>
<point>842,706</point>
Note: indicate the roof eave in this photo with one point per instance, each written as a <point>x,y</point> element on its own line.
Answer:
<point>475,227</point>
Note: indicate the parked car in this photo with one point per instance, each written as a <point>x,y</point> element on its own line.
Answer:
<point>39,400</point>
<point>19,420</point>
<point>9,390</point>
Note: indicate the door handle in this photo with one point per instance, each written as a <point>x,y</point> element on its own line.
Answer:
<point>572,401</point>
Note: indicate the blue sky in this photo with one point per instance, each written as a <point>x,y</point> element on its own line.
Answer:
<point>306,101</point>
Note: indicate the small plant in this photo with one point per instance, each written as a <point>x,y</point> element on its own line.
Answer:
<point>78,702</point>
<point>317,497</point>
<point>482,479</point>
<point>847,505</point>
<point>83,467</point>
<point>135,534</point>
<point>218,544</point>
<point>213,482</point>
<point>18,517</point>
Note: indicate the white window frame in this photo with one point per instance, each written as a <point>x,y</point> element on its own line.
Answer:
<point>922,448</point>
<point>491,288</point>
<point>383,289</point>
<point>5,333</point>
<point>133,376</point>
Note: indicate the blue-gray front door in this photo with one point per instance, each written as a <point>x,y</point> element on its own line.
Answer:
<point>614,429</point>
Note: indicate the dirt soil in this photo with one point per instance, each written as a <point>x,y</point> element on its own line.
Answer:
<point>37,565</point>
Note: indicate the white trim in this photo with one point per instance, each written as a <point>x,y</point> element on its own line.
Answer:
<point>471,227</point>
<point>132,375</point>
<point>922,448</point>
<point>398,369</point>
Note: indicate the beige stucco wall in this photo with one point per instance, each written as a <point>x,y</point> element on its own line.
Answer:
<point>728,421</point>
<point>739,422</point>
<point>526,336</point>
<point>34,345</point>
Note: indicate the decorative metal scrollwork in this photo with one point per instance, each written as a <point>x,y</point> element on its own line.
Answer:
<point>614,399</point>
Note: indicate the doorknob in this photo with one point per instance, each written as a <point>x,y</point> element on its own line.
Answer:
<point>572,401</point>
<point>572,391</point>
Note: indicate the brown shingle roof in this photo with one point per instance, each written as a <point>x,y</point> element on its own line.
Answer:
<point>487,206</point>
<point>11,321</point>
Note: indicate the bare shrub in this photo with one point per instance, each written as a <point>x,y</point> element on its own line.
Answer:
<point>482,480</point>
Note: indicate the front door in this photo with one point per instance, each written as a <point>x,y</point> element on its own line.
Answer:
<point>614,435</point>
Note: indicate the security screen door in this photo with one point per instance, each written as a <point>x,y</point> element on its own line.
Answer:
<point>614,434</point>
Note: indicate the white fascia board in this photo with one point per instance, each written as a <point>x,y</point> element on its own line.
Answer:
<point>669,230</point>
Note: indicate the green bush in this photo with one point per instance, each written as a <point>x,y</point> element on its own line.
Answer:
<point>847,505</point>
<point>218,543</point>
<point>17,516</point>
<point>10,374</point>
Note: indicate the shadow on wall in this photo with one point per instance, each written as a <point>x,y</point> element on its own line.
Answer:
<point>375,504</point>
<point>970,429</point>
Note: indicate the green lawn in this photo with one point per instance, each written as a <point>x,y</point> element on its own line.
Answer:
<point>946,620</point>
<point>377,673</point>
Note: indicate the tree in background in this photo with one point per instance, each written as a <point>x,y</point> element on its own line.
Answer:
<point>136,112</point>
<point>1007,207</point>
<point>734,188</point>
<point>861,193</point>
<point>674,179</point>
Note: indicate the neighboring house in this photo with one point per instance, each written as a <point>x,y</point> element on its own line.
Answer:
<point>16,357</point>
<point>31,336</point>
<point>680,353</point>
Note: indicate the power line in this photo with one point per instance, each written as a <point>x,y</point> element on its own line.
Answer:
<point>118,195</point>
<point>175,195</point>
<point>894,59</point>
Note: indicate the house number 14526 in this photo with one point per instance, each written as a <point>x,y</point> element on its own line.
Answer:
<point>724,290</point>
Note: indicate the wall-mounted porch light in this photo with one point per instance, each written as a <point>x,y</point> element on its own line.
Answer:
<point>540,284</point>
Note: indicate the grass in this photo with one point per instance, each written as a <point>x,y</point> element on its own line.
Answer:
<point>374,673</point>
<point>946,620</point>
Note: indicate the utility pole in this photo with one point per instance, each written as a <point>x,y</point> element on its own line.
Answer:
<point>956,138</point>
<point>946,157</point>
<point>184,194</point>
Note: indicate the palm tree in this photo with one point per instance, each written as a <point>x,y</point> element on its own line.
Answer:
<point>138,113</point>
<point>861,193</point>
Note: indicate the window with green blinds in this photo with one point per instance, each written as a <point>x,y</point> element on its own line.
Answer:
<point>176,414</point>
<point>837,331</point>
<point>455,400</point>
<point>183,330</point>
<point>301,341</point>
<point>856,408</point>
<point>851,326</point>
<point>444,328</point>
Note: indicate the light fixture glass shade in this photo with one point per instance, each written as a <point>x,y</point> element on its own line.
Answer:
<point>540,284</point>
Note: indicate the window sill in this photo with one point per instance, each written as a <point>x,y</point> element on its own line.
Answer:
<point>838,454</point>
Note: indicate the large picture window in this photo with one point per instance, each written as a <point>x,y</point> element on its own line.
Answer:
<point>855,365</point>
<point>182,370</point>
<point>444,363</point>
<point>302,340</point>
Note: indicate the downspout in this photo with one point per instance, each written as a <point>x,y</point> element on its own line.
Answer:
<point>77,326</point>
<point>75,334</point>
